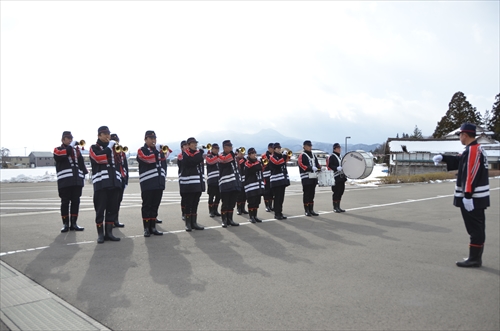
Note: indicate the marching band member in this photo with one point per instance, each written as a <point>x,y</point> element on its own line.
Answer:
<point>212,160</point>
<point>279,179</point>
<point>121,161</point>
<point>241,199</point>
<point>192,183</point>
<point>152,160</point>
<point>229,183</point>
<point>335,164</point>
<point>254,184</point>
<point>184,146</point>
<point>268,195</point>
<point>71,172</point>
<point>308,166</point>
<point>107,181</point>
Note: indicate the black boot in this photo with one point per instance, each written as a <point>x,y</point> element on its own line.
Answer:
<point>65,220</point>
<point>109,232</point>
<point>100,233</point>
<point>211,211</point>
<point>230,219</point>
<point>194,224</point>
<point>74,226</point>
<point>271,207</point>
<point>224,219</point>
<point>340,209</point>
<point>268,209</point>
<point>188,222</point>
<point>306,209</point>
<point>258,220</point>
<point>118,224</point>
<point>336,207</point>
<point>238,208</point>
<point>475,258</point>
<point>157,221</point>
<point>251,218</point>
<point>280,216</point>
<point>243,209</point>
<point>152,228</point>
<point>311,209</point>
<point>145,223</point>
<point>216,213</point>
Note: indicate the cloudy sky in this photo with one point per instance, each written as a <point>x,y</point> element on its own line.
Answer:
<point>312,70</point>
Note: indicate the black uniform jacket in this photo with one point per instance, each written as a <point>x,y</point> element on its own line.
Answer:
<point>105,171</point>
<point>279,172</point>
<point>212,169</point>
<point>229,175</point>
<point>152,168</point>
<point>254,180</point>
<point>472,177</point>
<point>191,179</point>
<point>70,167</point>
<point>306,161</point>
<point>334,161</point>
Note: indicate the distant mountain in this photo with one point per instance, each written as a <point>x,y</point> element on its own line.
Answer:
<point>260,140</point>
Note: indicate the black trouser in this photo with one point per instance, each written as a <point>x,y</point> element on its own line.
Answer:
<point>151,200</point>
<point>268,193</point>
<point>191,201</point>
<point>338,190</point>
<point>309,191</point>
<point>241,197</point>
<point>213,194</point>
<point>475,224</point>
<point>106,205</point>
<point>253,202</point>
<point>70,194</point>
<point>228,201</point>
<point>279,198</point>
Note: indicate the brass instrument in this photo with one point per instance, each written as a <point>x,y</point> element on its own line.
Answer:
<point>241,150</point>
<point>265,161</point>
<point>288,152</point>
<point>80,143</point>
<point>164,148</point>
<point>119,148</point>
<point>208,146</point>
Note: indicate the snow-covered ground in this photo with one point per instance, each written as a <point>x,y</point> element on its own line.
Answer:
<point>48,174</point>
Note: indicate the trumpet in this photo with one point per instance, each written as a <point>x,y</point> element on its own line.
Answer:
<point>265,161</point>
<point>208,146</point>
<point>287,152</point>
<point>119,148</point>
<point>241,150</point>
<point>80,143</point>
<point>164,148</point>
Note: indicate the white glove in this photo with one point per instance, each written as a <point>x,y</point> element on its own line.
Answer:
<point>468,204</point>
<point>72,143</point>
<point>111,144</point>
<point>339,168</point>
<point>315,169</point>
<point>437,159</point>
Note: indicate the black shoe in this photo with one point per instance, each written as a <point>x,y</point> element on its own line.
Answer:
<point>195,225</point>
<point>100,233</point>
<point>157,221</point>
<point>109,232</point>
<point>145,223</point>
<point>474,260</point>
<point>311,210</point>
<point>74,226</point>
<point>118,224</point>
<point>280,217</point>
<point>65,221</point>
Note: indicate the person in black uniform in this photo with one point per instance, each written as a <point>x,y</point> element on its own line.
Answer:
<point>268,193</point>
<point>472,193</point>
<point>212,161</point>
<point>279,179</point>
<point>308,167</point>
<point>152,175</point>
<point>107,181</point>
<point>229,183</point>
<point>71,172</point>
<point>191,182</point>
<point>184,146</point>
<point>121,161</point>
<point>254,184</point>
<point>241,198</point>
<point>335,164</point>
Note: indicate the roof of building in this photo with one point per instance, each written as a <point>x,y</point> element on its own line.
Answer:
<point>42,154</point>
<point>437,145</point>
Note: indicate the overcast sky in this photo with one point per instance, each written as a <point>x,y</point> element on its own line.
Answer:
<point>312,70</point>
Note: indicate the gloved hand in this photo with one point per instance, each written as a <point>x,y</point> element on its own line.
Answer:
<point>315,169</point>
<point>111,144</point>
<point>437,159</point>
<point>468,204</point>
<point>339,168</point>
<point>158,147</point>
<point>72,143</point>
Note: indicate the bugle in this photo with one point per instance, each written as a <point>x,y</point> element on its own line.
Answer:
<point>165,149</point>
<point>208,146</point>
<point>80,143</point>
<point>119,148</point>
<point>287,152</point>
<point>241,150</point>
<point>265,161</point>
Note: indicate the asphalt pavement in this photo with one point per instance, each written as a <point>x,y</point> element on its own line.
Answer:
<point>387,263</point>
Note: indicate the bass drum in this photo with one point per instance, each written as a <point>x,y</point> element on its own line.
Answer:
<point>326,178</point>
<point>357,165</point>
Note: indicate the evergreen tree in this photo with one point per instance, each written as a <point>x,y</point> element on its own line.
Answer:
<point>417,133</point>
<point>493,123</point>
<point>397,135</point>
<point>459,111</point>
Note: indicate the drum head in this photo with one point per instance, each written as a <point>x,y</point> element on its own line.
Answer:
<point>357,165</point>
